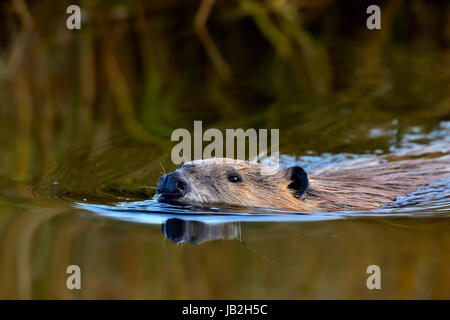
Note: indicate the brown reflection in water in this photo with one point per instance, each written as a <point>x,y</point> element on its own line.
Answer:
<point>195,232</point>
<point>279,260</point>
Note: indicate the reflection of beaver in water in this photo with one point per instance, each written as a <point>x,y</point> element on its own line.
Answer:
<point>362,185</point>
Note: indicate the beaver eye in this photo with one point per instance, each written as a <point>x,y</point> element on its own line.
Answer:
<point>234,178</point>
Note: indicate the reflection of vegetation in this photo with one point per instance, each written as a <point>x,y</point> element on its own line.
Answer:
<point>143,68</point>
<point>315,260</point>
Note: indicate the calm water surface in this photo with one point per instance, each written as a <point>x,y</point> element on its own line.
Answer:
<point>128,247</point>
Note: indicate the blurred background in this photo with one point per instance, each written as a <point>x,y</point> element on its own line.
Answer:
<point>86,115</point>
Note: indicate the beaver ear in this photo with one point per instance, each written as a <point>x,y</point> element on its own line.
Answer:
<point>299,180</point>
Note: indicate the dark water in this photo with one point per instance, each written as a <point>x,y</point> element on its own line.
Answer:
<point>132,248</point>
<point>85,124</point>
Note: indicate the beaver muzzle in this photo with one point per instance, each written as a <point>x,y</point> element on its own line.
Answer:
<point>171,187</point>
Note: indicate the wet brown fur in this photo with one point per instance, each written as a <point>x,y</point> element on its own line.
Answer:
<point>363,185</point>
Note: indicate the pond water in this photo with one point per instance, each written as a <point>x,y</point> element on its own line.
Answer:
<point>85,126</point>
<point>129,247</point>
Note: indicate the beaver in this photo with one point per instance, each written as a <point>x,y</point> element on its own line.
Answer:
<point>363,185</point>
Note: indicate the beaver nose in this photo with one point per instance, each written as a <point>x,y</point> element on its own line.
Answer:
<point>172,185</point>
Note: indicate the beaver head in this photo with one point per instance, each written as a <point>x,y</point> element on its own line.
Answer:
<point>232,182</point>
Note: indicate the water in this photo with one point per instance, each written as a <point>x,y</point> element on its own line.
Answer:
<point>136,248</point>
<point>85,125</point>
